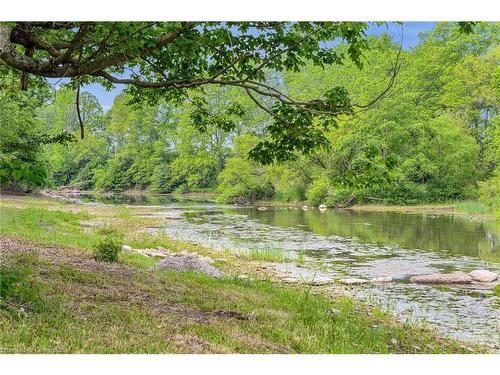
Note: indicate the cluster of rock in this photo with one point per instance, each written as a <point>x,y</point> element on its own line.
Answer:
<point>482,276</point>
<point>159,252</point>
<point>181,262</point>
<point>357,281</point>
<point>325,280</point>
<point>476,276</point>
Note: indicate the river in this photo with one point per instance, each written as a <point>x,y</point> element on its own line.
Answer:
<point>361,244</point>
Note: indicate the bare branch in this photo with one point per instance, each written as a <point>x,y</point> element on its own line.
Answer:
<point>393,72</point>
<point>77,103</point>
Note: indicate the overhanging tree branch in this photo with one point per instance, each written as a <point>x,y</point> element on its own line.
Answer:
<point>166,59</point>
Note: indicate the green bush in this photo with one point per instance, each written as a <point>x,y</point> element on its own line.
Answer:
<point>489,192</point>
<point>337,197</point>
<point>291,194</point>
<point>318,192</point>
<point>108,245</point>
<point>322,192</point>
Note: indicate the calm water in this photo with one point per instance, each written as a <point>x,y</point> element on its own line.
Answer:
<point>362,244</point>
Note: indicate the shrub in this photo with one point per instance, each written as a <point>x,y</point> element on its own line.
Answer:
<point>489,192</point>
<point>108,245</point>
<point>317,192</point>
<point>321,192</point>
<point>337,197</point>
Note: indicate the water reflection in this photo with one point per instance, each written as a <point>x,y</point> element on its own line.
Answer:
<point>362,244</point>
<point>457,235</point>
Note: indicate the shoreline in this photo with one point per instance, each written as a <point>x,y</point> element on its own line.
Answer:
<point>257,271</point>
<point>449,209</point>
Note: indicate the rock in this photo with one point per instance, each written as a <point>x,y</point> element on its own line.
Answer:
<point>319,280</point>
<point>353,281</point>
<point>384,279</point>
<point>483,276</point>
<point>154,253</point>
<point>126,249</point>
<point>442,278</point>
<point>290,280</point>
<point>183,262</point>
<point>322,207</point>
<point>334,312</point>
<point>262,208</point>
<point>305,207</point>
<point>207,259</point>
<point>160,248</point>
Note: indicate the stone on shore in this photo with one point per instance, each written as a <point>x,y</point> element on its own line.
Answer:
<point>290,280</point>
<point>483,276</point>
<point>353,281</point>
<point>126,248</point>
<point>185,261</point>
<point>383,279</point>
<point>154,253</point>
<point>442,278</point>
<point>319,280</point>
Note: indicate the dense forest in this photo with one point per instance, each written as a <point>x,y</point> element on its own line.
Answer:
<point>434,136</point>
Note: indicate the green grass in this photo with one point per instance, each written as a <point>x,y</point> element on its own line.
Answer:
<point>88,307</point>
<point>85,311</point>
<point>472,207</point>
<point>268,254</point>
<point>496,291</point>
<point>301,257</point>
<point>45,226</point>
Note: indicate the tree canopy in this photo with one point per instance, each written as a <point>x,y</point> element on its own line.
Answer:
<point>433,137</point>
<point>176,61</point>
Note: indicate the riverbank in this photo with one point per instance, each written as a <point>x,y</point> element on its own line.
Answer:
<point>472,209</point>
<point>81,305</point>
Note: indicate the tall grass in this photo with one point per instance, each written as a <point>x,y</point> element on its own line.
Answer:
<point>472,207</point>
<point>268,254</point>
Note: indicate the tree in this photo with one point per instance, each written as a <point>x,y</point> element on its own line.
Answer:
<point>244,180</point>
<point>22,162</point>
<point>418,143</point>
<point>171,60</point>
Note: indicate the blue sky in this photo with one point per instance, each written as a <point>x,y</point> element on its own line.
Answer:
<point>411,31</point>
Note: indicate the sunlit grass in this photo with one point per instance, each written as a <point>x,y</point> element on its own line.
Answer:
<point>268,254</point>
<point>472,207</point>
<point>140,310</point>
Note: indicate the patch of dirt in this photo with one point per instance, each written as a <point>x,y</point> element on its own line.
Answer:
<point>230,314</point>
<point>192,343</point>
<point>114,283</point>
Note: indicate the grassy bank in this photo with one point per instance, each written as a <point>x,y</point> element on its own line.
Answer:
<point>56,298</point>
<point>460,208</point>
<point>470,208</point>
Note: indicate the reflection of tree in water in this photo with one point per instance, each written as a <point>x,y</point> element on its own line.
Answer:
<point>458,235</point>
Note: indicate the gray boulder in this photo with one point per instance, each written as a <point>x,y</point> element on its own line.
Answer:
<point>353,281</point>
<point>483,276</point>
<point>382,279</point>
<point>442,278</point>
<point>185,261</point>
<point>126,249</point>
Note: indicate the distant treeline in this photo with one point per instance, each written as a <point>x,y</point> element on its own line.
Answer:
<point>434,136</point>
